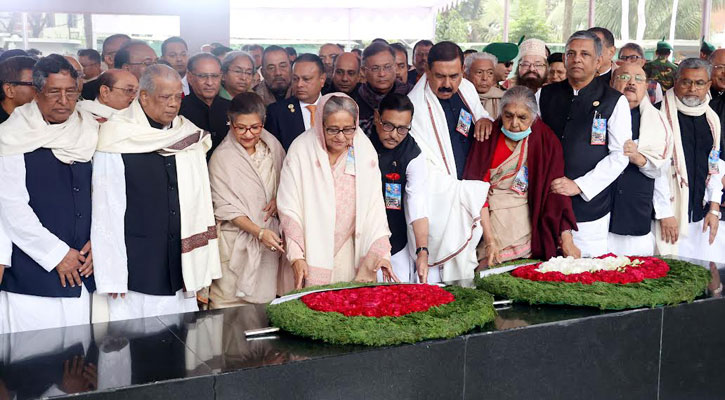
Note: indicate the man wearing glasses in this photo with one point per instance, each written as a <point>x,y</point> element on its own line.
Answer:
<point>638,192</point>
<point>632,53</point>
<point>404,173</point>
<point>45,172</point>
<point>532,69</point>
<point>135,56</point>
<point>203,106</point>
<point>16,78</point>
<point>695,175</point>
<point>111,45</point>
<point>118,89</point>
<point>378,67</point>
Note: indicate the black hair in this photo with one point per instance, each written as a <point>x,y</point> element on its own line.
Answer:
<point>313,58</point>
<point>51,64</point>
<point>250,47</point>
<point>111,38</point>
<point>606,33</point>
<point>395,102</point>
<point>12,68</point>
<point>444,51</point>
<point>290,51</point>
<point>400,47</point>
<point>173,39</point>
<point>381,40</point>
<point>92,55</point>
<point>375,49</point>
<point>424,42</point>
<point>221,50</point>
<point>247,103</point>
<point>555,58</point>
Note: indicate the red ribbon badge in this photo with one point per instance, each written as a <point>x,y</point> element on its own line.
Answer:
<point>393,176</point>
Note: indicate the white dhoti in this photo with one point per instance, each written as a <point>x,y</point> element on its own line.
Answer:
<point>696,245</point>
<point>26,312</point>
<point>591,237</point>
<point>139,305</point>
<point>627,245</point>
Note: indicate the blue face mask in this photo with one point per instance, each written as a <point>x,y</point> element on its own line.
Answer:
<point>516,136</point>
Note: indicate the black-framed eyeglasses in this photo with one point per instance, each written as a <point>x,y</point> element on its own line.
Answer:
<point>401,129</point>
<point>147,63</point>
<point>19,83</point>
<point>508,64</point>
<point>347,131</point>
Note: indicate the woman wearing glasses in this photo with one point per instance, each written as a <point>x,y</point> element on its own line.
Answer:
<point>237,74</point>
<point>331,209</point>
<point>244,174</point>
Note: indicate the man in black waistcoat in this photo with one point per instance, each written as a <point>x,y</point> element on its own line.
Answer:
<point>203,106</point>
<point>593,121</point>
<point>608,52</point>
<point>717,92</point>
<point>637,196</point>
<point>45,172</point>
<point>404,173</point>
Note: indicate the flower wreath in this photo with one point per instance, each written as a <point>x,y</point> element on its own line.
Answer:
<point>645,282</point>
<point>383,314</point>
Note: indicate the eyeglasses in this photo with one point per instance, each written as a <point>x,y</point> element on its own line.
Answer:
<point>19,83</point>
<point>203,77</point>
<point>719,67</point>
<point>508,64</point>
<point>377,68</point>
<point>347,131</point>
<point>628,77</point>
<point>57,94</point>
<point>255,129</point>
<point>89,65</point>
<point>147,63</point>
<point>687,83</point>
<point>401,129</point>
<point>527,65</point>
<point>630,58</point>
<point>241,72</point>
<point>127,91</point>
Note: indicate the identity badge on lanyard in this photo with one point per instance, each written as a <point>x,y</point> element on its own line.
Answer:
<point>599,130</point>
<point>464,122</point>
<point>393,196</point>
<point>521,181</point>
<point>350,161</point>
<point>712,162</point>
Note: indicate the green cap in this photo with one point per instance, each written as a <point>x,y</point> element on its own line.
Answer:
<point>662,45</point>
<point>503,51</point>
<point>706,47</point>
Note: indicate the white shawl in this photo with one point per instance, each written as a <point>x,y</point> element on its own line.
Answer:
<point>306,195</point>
<point>655,135</point>
<point>100,111</point>
<point>26,130</point>
<point>677,173</point>
<point>129,131</point>
<point>454,231</point>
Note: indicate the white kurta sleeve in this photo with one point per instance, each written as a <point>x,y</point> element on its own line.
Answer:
<point>650,170</point>
<point>416,174</point>
<point>661,197</point>
<point>6,246</point>
<point>713,191</point>
<point>619,129</point>
<point>19,220</point>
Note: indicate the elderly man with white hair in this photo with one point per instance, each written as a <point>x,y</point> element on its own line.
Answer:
<point>532,70</point>
<point>153,220</point>
<point>480,69</point>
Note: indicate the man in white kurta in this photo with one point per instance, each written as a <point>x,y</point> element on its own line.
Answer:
<point>448,109</point>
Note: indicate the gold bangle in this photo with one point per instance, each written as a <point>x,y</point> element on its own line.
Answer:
<point>261,232</point>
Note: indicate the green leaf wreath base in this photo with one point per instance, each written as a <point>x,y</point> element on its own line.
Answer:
<point>471,308</point>
<point>683,283</point>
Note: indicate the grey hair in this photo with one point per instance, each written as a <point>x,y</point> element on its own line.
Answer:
<point>340,103</point>
<point>520,95</point>
<point>586,35</point>
<point>478,56</point>
<point>633,46</point>
<point>231,56</point>
<point>147,84</point>
<point>694,63</point>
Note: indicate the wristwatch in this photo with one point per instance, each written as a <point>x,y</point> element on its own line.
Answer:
<point>419,249</point>
<point>716,213</point>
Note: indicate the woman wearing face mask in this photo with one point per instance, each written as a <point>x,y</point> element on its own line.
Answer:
<point>520,160</point>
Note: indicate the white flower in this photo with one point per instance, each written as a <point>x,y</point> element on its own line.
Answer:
<point>570,265</point>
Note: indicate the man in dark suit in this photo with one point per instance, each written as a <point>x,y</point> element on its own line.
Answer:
<point>288,118</point>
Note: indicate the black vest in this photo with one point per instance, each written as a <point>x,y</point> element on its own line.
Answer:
<point>571,117</point>
<point>152,223</point>
<point>393,167</point>
<point>718,104</point>
<point>209,118</point>
<point>60,196</point>
<point>460,144</point>
<point>696,144</point>
<point>632,209</point>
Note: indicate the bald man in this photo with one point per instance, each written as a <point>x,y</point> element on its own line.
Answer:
<point>346,73</point>
<point>639,192</point>
<point>79,69</point>
<point>135,56</point>
<point>118,89</point>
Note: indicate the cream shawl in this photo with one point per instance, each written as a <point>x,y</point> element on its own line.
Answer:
<point>306,195</point>
<point>71,141</point>
<point>101,112</point>
<point>238,190</point>
<point>655,135</point>
<point>454,229</point>
<point>129,131</point>
<point>677,173</point>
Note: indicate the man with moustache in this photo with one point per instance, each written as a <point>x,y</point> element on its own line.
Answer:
<point>593,121</point>
<point>480,70</point>
<point>277,72</point>
<point>532,69</point>
<point>401,62</point>
<point>632,53</point>
<point>637,192</point>
<point>420,59</point>
<point>203,106</point>
<point>346,74</point>
<point>175,51</point>
<point>448,107</point>
<point>110,47</point>
<point>378,66</point>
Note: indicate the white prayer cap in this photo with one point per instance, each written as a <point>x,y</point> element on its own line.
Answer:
<point>532,47</point>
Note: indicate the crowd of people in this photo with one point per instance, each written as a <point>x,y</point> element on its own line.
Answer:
<point>136,185</point>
